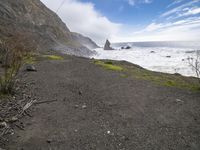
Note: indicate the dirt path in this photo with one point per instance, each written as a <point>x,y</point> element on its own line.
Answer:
<point>97,109</point>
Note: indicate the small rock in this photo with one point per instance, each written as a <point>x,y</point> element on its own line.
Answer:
<point>76,106</point>
<point>49,141</point>
<point>80,93</point>
<point>13,119</point>
<point>30,68</point>
<point>168,56</point>
<point>108,132</point>
<point>177,74</point>
<point>178,100</point>
<point>3,125</point>
<point>127,47</point>
<point>1,119</point>
<point>84,106</point>
<point>152,51</point>
<point>76,130</point>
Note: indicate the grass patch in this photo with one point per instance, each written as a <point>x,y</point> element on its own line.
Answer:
<point>53,57</point>
<point>164,79</point>
<point>109,65</point>
<point>30,59</point>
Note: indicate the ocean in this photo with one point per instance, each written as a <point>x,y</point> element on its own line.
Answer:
<point>167,57</point>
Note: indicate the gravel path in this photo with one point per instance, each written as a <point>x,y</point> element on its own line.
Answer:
<point>97,109</point>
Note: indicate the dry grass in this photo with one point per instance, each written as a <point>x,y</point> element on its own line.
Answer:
<point>12,53</point>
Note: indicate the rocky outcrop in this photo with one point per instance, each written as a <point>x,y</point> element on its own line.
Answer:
<point>126,47</point>
<point>107,46</point>
<point>42,24</point>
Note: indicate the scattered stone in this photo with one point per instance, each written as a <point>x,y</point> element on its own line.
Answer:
<point>79,92</point>
<point>108,132</point>
<point>64,99</point>
<point>152,52</point>
<point>168,56</point>
<point>126,138</point>
<point>127,47</point>
<point>3,125</point>
<point>84,106</point>
<point>13,119</point>
<point>75,130</point>
<point>30,68</point>
<point>177,74</point>
<point>49,141</point>
<point>1,119</point>
<point>76,106</point>
<point>178,100</point>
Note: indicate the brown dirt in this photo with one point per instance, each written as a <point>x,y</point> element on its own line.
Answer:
<point>97,109</point>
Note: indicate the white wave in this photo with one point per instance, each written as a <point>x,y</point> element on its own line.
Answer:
<point>158,61</point>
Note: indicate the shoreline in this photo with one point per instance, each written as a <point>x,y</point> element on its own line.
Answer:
<point>153,59</point>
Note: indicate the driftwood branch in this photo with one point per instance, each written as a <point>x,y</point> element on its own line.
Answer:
<point>29,104</point>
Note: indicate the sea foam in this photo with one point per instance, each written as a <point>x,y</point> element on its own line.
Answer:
<point>167,58</point>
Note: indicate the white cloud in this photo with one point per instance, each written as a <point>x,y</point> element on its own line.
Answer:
<point>131,2</point>
<point>186,29</point>
<point>179,9</point>
<point>191,11</point>
<point>174,3</point>
<point>83,18</point>
<point>134,2</point>
<point>179,23</point>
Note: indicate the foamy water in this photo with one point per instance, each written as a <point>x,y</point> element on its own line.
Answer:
<point>162,59</point>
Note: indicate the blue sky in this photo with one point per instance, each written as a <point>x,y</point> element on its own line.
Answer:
<point>131,20</point>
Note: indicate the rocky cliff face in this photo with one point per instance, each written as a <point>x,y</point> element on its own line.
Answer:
<point>85,41</point>
<point>43,26</point>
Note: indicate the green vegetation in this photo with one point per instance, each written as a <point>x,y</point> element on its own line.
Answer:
<point>11,61</point>
<point>14,52</point>
<point>109,65</point>
<point>29,59</point>
<point>131,70</point>
<point>53,57</point>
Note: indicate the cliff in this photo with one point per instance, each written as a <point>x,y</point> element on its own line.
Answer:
<point>85,41</point>
<point>42,25</point>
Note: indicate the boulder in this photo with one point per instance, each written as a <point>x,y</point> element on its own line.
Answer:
<point>127,47</point>
<point>30,68</point>
<point>107,46</point>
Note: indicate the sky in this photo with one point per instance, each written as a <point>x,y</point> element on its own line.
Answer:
<point>131,20</point>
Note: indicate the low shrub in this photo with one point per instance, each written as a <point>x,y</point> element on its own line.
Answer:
<point>12,53</point>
